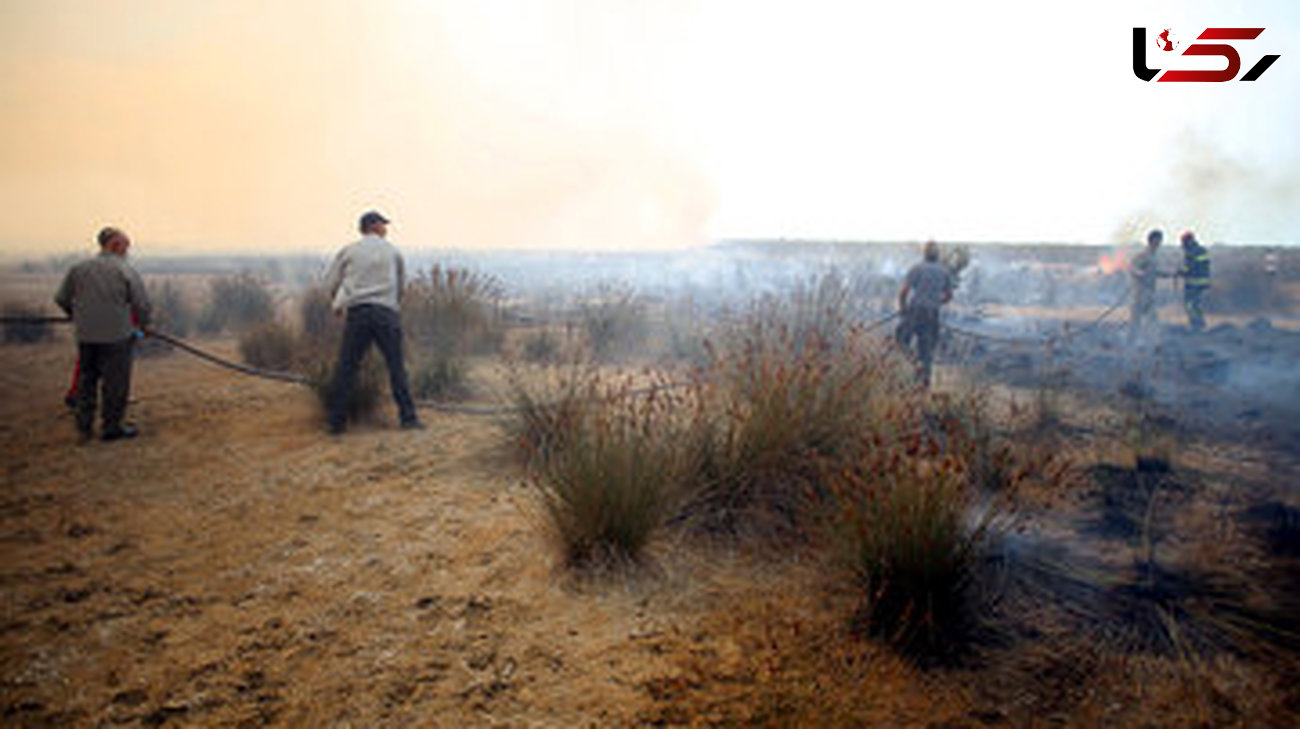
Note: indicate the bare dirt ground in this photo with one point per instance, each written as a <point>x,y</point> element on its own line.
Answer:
<point>236,566</point>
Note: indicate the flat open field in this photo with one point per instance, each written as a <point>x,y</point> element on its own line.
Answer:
<point>236,566</point>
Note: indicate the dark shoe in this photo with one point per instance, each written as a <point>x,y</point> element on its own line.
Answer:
<point>413,425</point>
<point>336,429</point>
<point>85,435</point>
<point>121,432</point>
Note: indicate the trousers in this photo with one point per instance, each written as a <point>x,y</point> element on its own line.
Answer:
<point>106,365</point>
<point>367,323</point>
<point>922,325</point>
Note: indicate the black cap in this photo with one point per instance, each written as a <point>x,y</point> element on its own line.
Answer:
<point>370,219</point>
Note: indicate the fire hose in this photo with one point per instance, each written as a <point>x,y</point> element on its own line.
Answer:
<point>1054,339</point>
<point>296,379</point>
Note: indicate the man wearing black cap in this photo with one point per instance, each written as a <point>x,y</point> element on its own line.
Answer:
<point>365,281</point>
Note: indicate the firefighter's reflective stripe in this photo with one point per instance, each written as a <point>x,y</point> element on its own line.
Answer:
<point>1196,268</point>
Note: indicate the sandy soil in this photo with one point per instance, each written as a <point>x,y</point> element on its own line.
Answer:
<point>235,566</point>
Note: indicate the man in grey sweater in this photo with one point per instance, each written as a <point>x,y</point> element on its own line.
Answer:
<point>103,295</point>
<point>365,281</point>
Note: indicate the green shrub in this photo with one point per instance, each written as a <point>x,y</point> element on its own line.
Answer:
<point>26,332</point>
<point>236,303</point>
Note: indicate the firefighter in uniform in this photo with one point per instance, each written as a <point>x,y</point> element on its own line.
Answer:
<point>1196,280</point>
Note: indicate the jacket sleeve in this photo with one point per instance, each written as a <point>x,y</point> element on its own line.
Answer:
<point>65,293</point>
<point>334,275</point>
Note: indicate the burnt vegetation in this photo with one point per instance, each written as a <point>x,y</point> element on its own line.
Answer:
<point>1055,513</point>
<point>795,426</point>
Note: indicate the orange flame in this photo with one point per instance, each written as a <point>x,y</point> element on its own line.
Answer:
<point>1110,263</point>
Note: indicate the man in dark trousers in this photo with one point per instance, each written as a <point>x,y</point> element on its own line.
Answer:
<point>928,286</point>
<point>104,296</point>
<point>1196,280</point>
<point>365,281</point>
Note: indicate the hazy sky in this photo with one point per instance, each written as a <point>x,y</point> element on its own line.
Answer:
<point>259,125</point>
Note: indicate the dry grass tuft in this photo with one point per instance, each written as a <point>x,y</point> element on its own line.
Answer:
<point>776,412</point>
<point>606,463</point>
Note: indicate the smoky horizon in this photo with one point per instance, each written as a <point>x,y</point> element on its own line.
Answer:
<point>241,127</point>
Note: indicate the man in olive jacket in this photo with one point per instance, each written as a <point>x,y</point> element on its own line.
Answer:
<point>103,295</point>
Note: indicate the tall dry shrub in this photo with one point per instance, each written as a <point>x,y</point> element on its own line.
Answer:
<point>547,405</point>
<point>604,457</point>
<point>777,411</point>
<point>448,314</point>
<point>454,310</point>
<point>915,514</point>
<point>616,477</point>
<point>613,318</point>
<point>316,314</point>
<point>236,303</point>
<point>172,314</point>
<point>270,346</point>
<point>172,311</point>
<point>900,520</point>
